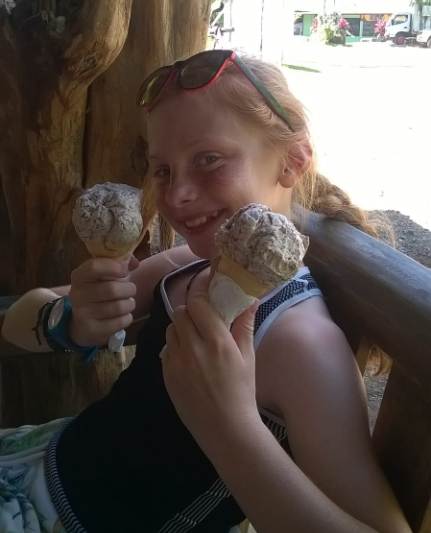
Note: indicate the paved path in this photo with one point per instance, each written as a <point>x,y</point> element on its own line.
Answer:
<point>370,115</point>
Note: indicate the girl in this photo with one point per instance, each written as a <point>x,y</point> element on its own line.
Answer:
<point>223,132</point>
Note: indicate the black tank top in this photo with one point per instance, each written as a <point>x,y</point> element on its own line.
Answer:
<point>128,464</point>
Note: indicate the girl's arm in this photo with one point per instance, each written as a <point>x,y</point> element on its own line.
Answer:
<point>334,485</point>
<point>315,384</point>
<point>21,317</point>
<point>102,291</point>
<point>273,492</point>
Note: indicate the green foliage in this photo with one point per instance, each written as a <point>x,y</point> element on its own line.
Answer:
<point>333,29</point>
<point>420,3</point>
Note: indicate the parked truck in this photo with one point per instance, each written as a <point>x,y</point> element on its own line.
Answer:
<point>406,26</point>
<point>424,38</point>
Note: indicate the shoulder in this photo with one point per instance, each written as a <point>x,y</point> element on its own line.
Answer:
<point>305,355</point>
<point>152,269</point>
<point>311,380</point>
<point>305,331</point>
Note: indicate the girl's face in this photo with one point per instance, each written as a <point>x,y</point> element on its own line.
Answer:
<point>206,163</point>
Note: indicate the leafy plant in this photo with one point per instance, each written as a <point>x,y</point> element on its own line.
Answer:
<point>334,28</point>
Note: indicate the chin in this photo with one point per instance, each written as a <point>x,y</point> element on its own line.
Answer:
<point>204,250</point>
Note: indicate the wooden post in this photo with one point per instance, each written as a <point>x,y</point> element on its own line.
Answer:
<point>402,439</point>
<point>69,75</point>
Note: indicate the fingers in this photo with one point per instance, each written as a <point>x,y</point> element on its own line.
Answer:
<point>172,340</point>
<point>172,343</point>
<point>164,354</point>
<point>103,291</point>
<point>100,269</point>
<point>243,330</point>
<point>199,284</point>
<point>96,332</point>
<point>102,300</point>
<point>133,263</point>
<point>110,309</point>
<point>183,325</point>
<point>206,320</point>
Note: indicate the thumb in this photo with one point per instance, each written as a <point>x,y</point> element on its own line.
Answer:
<point>243,330</point>
<point>133,263</point>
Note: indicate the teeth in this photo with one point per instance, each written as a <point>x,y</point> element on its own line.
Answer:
<point>196,222</point>
<point>200,221</point>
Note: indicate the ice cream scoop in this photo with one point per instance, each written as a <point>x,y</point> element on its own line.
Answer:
<point>108,218</point>
<point>257,251</point>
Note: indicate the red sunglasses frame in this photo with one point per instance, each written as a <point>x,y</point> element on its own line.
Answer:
<point>230,58</point>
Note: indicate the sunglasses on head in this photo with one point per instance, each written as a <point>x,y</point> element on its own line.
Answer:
<point>199,71</point>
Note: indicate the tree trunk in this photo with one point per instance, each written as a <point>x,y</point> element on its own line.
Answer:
<point>69,74</point>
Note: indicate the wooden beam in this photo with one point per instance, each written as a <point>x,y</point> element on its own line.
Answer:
<point>402,440</point>
<point>371,286</point>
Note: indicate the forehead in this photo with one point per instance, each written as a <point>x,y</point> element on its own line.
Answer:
<point>193,115</point>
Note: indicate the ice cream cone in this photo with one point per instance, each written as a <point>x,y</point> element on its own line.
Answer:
<point>108,219</point>
<point>258,250</point>
<point>99,248</point>
<point>233,289</point>
<point>247,281</point>
<point>228,298</point>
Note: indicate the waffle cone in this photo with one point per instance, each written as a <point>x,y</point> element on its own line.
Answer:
<point>97,248</point>
<point>247,281</point>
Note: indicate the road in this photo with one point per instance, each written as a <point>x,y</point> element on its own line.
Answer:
<point>369,106</point>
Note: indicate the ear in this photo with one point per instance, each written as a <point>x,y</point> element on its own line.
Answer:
<point>295,164</point>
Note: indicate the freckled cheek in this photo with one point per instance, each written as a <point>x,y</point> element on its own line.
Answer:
<point>231,176</point>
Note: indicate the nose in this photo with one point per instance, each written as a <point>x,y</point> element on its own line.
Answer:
<point>181,190</point>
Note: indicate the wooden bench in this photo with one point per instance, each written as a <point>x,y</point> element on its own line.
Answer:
<point>377,295</point>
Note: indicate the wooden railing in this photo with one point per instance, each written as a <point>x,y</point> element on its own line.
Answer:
<point>377,295</point>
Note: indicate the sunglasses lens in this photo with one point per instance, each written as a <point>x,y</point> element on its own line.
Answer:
<point>152,86</point>
<point>202,68</point>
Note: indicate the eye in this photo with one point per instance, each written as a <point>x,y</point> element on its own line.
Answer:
<point>162,172</point>
<point>205,160</point>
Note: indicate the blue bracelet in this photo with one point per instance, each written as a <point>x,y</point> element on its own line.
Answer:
<point>56,320</point>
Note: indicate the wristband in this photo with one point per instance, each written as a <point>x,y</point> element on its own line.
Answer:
<point>55,321</point>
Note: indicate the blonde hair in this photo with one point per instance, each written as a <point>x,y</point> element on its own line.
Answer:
<point>312,190</point>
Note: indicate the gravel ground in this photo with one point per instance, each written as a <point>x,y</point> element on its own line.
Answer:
<point>415,241</point>
<point>411,238</point>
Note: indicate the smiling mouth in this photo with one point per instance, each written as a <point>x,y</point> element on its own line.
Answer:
<point>199,222</point>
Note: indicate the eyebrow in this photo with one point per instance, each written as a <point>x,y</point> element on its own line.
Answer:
<point>196,142</point>
<point>215,139</point>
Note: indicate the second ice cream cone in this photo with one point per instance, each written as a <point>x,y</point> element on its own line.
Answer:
<point>233,289</point>
<point>247,281</point>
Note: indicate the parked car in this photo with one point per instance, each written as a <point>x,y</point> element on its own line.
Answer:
<point>424,38</point>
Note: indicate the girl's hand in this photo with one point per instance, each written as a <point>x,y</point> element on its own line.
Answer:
<point>209,371</point>
<point>102,300</point>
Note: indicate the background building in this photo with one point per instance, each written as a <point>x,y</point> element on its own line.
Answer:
<point>361,14</point>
